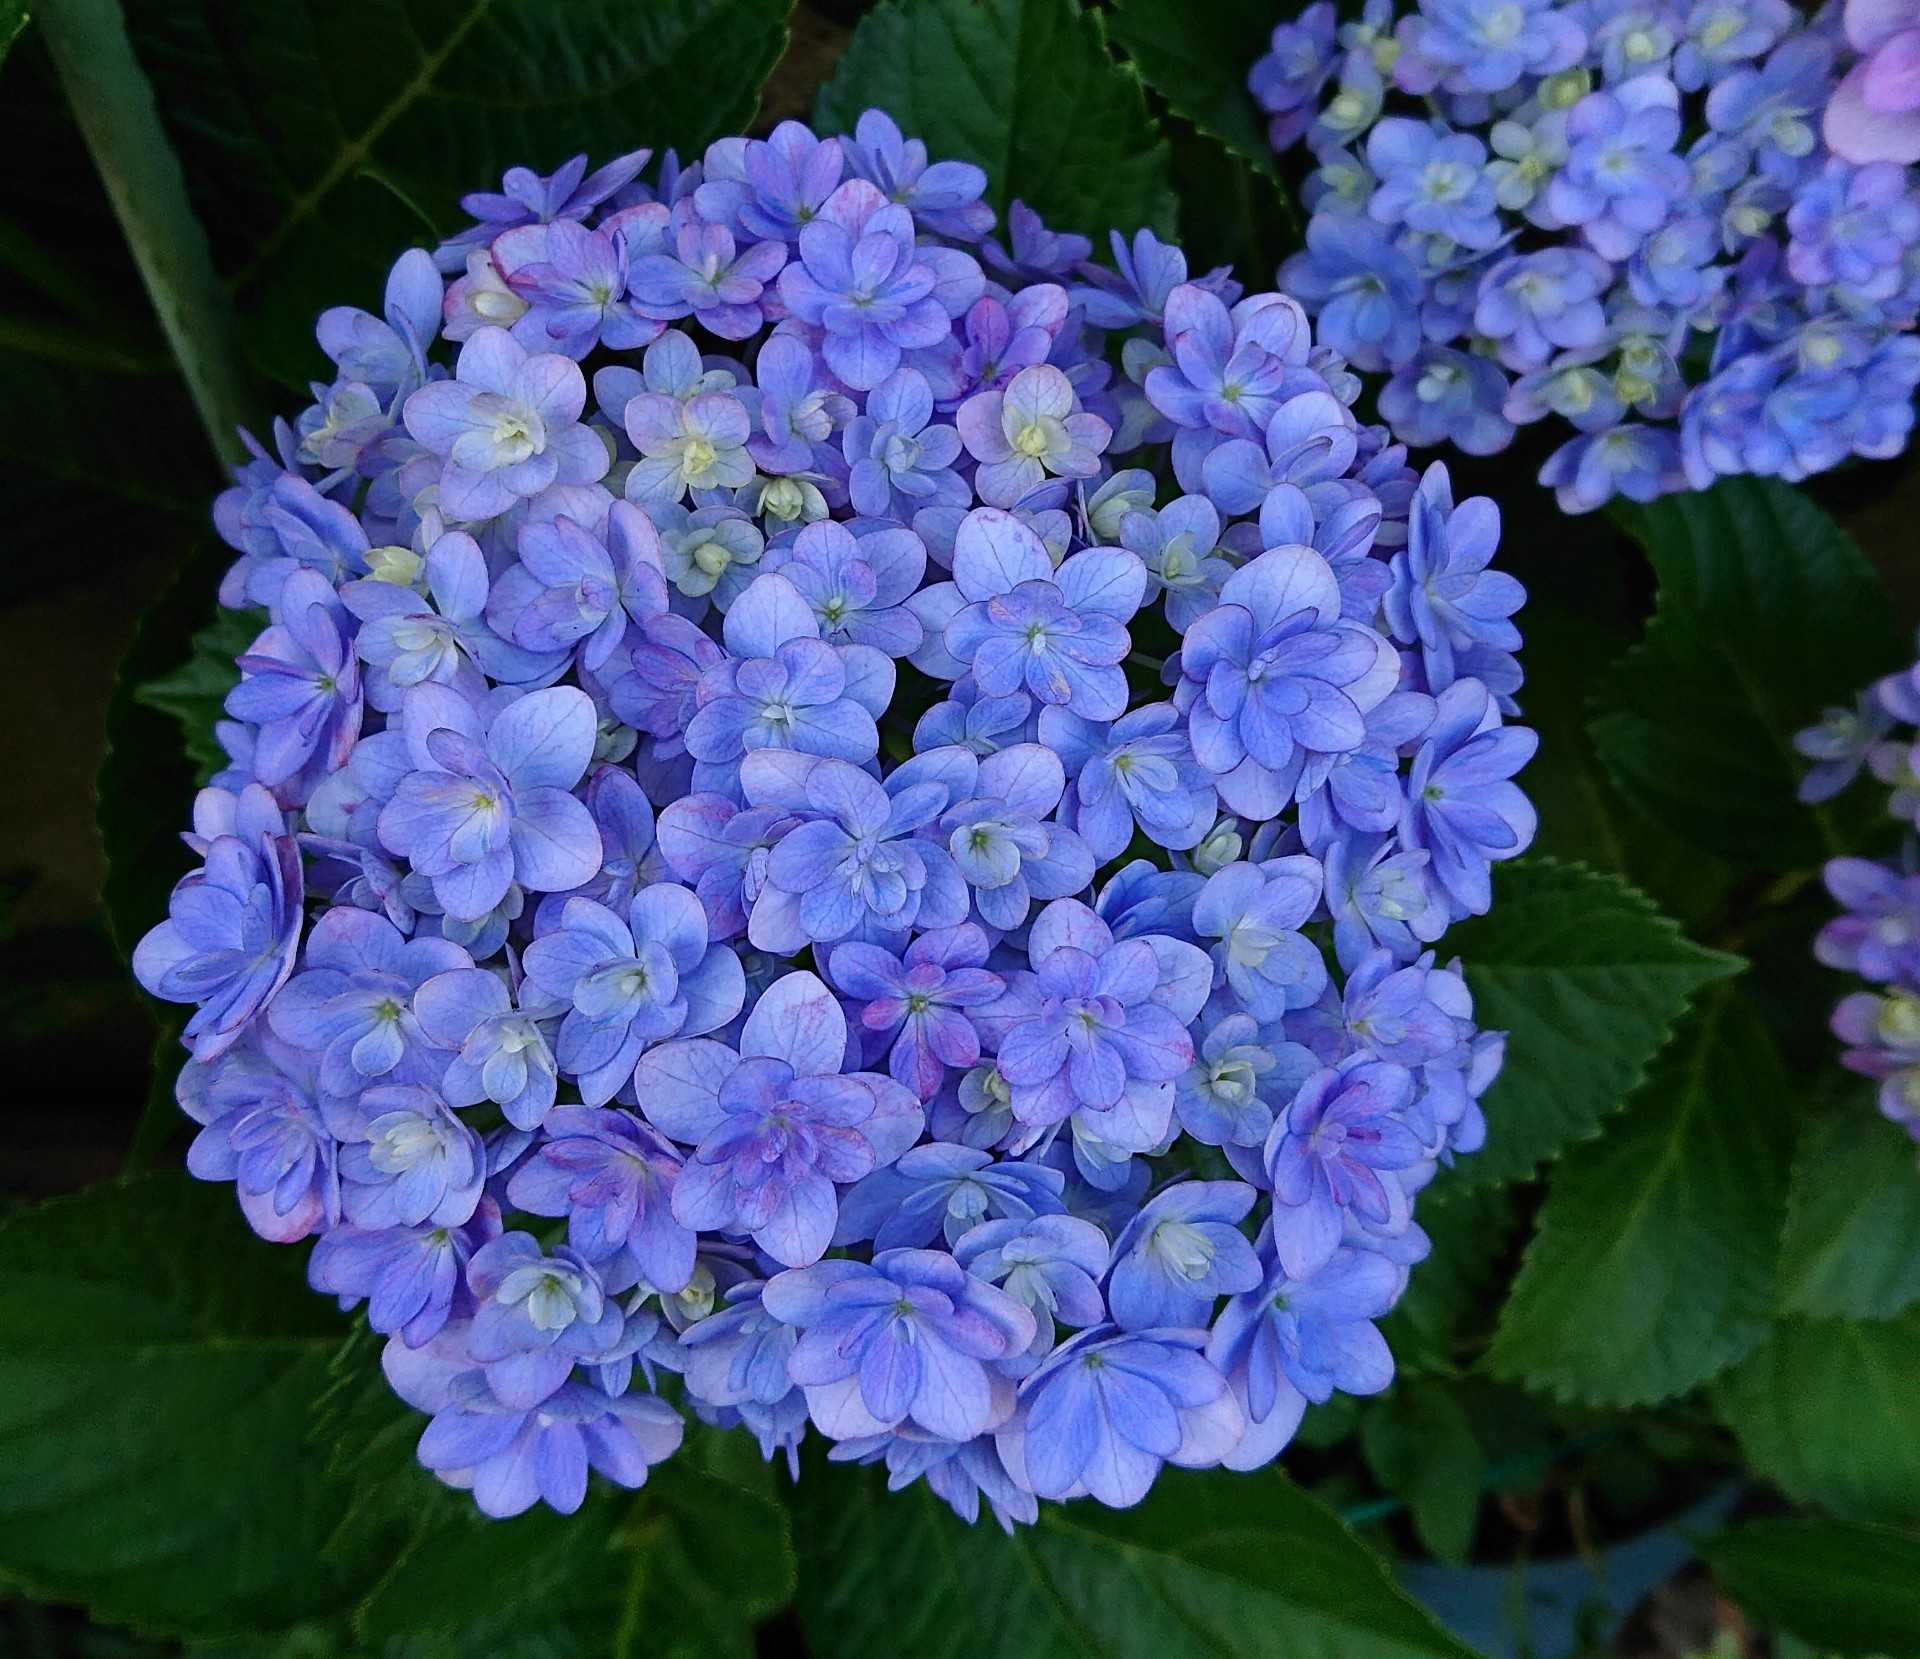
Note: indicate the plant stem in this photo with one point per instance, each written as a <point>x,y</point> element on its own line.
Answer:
<point>113,102</point>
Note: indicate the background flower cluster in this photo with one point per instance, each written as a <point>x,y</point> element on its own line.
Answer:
<point>1876,936</point>
<point>1690,231</point>
<point>711,897</point>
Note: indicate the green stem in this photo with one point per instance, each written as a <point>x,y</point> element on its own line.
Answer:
<point>113,101</point>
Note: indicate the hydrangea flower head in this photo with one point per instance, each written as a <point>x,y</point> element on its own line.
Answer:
<point>707,887</point>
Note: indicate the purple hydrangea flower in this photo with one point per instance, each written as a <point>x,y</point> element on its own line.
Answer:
<point>409,1160</point>
<point>860,279</point>
<point>1051,1264</point>
<point>631,981</point>
<point>944,1190</point>
<point>899,459</point>
<point>352,1002</point>
<point>1337,1152</point>
<point>1444,597</point>
<point>611,1177</point>
<point>1275,682</point>
<point>707,277</point>
<point>1290,1341</point>
<point>538,1316</point>
<point>1462,807</point>
<point>262,1128</point>
<point>1029,432</point>
<point>1137,770</point>
<point>919,1002</point>
<point>858,584</point>
<point>413,1279</point>
<point>1097,1025</point>
<point>506,427</point>
<point>232,931</point>
<point>775,1128</point>
<point>513,1458</point>
<point>856,867</point>
<point>487,803</point>
<point>525,198</point>
<point>577,285</point>
<point>907,1338</point>
<point>572,590</point>
<point>1256,911</point>
<point>1058,635</point>
<point>1107,1410</point>
<point>783,687</point>
<point>1180,1254</point>
<point>501,1053</point>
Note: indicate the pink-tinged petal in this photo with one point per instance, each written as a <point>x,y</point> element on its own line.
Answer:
<point>798,1020</point>
<point>993,552</point>
<point>679,1085</point>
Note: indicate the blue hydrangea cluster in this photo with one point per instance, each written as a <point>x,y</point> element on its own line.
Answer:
<point>715,907</point>
<point>1620,213</point>
<point>1876,936</point>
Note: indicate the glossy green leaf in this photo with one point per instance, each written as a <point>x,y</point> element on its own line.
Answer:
<point>1197,58</point>
<point>316,135</point>
<point>1651,1267</point>
<point>1848,1588</point>
<point>192,692</point>
<point>1852,1245</point>
<point>1422,1448</point>
<point>1767,614</point>
<point>1210,1563</point>
<point>1028,90</point>
<point>1583,816</point>
<point>1587,978</point>
<point>1825,1409</point>
<point>159,1368</point>
<point>682,1569</point>
<point>13,18</point>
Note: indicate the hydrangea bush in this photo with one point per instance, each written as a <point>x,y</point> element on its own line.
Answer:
<point>1876,936</point>
<point>841,824</point>
<point>1622,214</point>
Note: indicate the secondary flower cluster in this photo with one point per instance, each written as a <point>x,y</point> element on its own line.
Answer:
<point>1620,213</point>
<point>1877,934</point>
<point>709,898</point>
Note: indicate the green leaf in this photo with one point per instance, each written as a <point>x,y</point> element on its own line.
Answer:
<point>1586,977</point>
<point>13,18</point>
<point>1651,1268</point>
<point>389,102</point>
<point>1198,58</point>
<point>158,1373</point>
<point>1825,1409</point>
<point>1028,90</point>
<point>1767,614</point>
<point>1848,1588</point>
<point>192,693</point>
<point>683,1569</point>
<point>1248,1566</point>
<point>1852,1246</point>
<point>1447,1306</point>
<point>1421,1447</point>
<point>1583,817</point>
